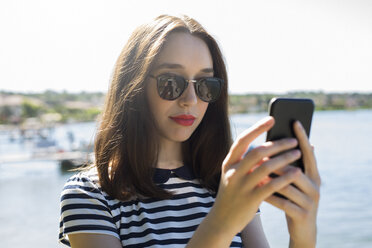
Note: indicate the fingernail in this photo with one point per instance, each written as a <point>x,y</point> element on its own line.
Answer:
<point>296,153</point>
<point>299,125</point>
<point>266,120</point>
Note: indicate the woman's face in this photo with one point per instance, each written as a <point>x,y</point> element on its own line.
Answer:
<point>188,56</point>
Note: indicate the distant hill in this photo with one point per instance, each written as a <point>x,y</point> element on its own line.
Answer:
<point>323,101</point>
<point>53,106</point>
<point>48,106</point>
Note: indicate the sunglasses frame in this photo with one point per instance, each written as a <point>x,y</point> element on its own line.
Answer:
<point>193,81</point>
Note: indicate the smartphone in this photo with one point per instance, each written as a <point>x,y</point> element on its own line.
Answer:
<point>285,112</point>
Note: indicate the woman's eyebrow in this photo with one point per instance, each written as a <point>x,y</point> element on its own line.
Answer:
<point>178,66</point>
<point>169,66</point>
<point>207,70</point>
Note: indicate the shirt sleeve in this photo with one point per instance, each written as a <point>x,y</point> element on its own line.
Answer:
<point>84,209</point>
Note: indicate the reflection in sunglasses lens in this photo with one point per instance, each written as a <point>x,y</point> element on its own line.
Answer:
<point>171,87</point>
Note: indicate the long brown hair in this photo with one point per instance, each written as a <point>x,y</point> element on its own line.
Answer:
<point>125,147</point>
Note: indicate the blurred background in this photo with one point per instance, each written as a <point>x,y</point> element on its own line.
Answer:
<point>56,58</point>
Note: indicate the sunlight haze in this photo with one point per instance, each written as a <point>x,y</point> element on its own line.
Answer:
<point>269,46</point>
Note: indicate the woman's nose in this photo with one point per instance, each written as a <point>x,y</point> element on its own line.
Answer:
<point>189,97</point>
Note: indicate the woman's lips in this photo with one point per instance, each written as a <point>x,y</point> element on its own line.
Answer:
<point>184,120</point>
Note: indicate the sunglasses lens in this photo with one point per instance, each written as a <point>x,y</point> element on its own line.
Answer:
<point>170,87</point>
<point>209,89</point>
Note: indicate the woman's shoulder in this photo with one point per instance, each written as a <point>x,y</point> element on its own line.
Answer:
<point>82,183</point>
<point>86,177</point>
<point>85,208</point>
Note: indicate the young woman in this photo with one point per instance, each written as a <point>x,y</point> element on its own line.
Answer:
<point>166,171</point>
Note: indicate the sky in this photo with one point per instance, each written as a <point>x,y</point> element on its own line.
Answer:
<point>272,46</point>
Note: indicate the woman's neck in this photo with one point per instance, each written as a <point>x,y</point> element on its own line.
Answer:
<point>170,155</point>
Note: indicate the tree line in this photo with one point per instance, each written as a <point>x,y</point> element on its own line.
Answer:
<point>55,106</point>
<point>323,101</point>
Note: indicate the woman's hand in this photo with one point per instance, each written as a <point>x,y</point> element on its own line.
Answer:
<point>241,189</point>
<point>302,204</point>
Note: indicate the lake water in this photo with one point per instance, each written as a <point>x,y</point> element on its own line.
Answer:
<point>29,191</point>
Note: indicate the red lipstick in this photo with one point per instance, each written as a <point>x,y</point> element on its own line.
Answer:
<point>184,120</point>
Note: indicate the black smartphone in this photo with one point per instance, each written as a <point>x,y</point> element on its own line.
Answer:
<point>285,112</point>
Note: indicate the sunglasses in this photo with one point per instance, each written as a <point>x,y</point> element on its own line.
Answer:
<point>170,87</point>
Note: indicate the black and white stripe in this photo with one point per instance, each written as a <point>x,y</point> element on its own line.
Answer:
<point>136,223</point>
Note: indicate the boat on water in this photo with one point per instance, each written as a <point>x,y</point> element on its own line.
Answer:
<point>41,144</point>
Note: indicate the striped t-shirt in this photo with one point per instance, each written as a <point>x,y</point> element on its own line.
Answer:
<point>85,208</point>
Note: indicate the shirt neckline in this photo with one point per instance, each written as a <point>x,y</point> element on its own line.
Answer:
<point>163,175</point>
